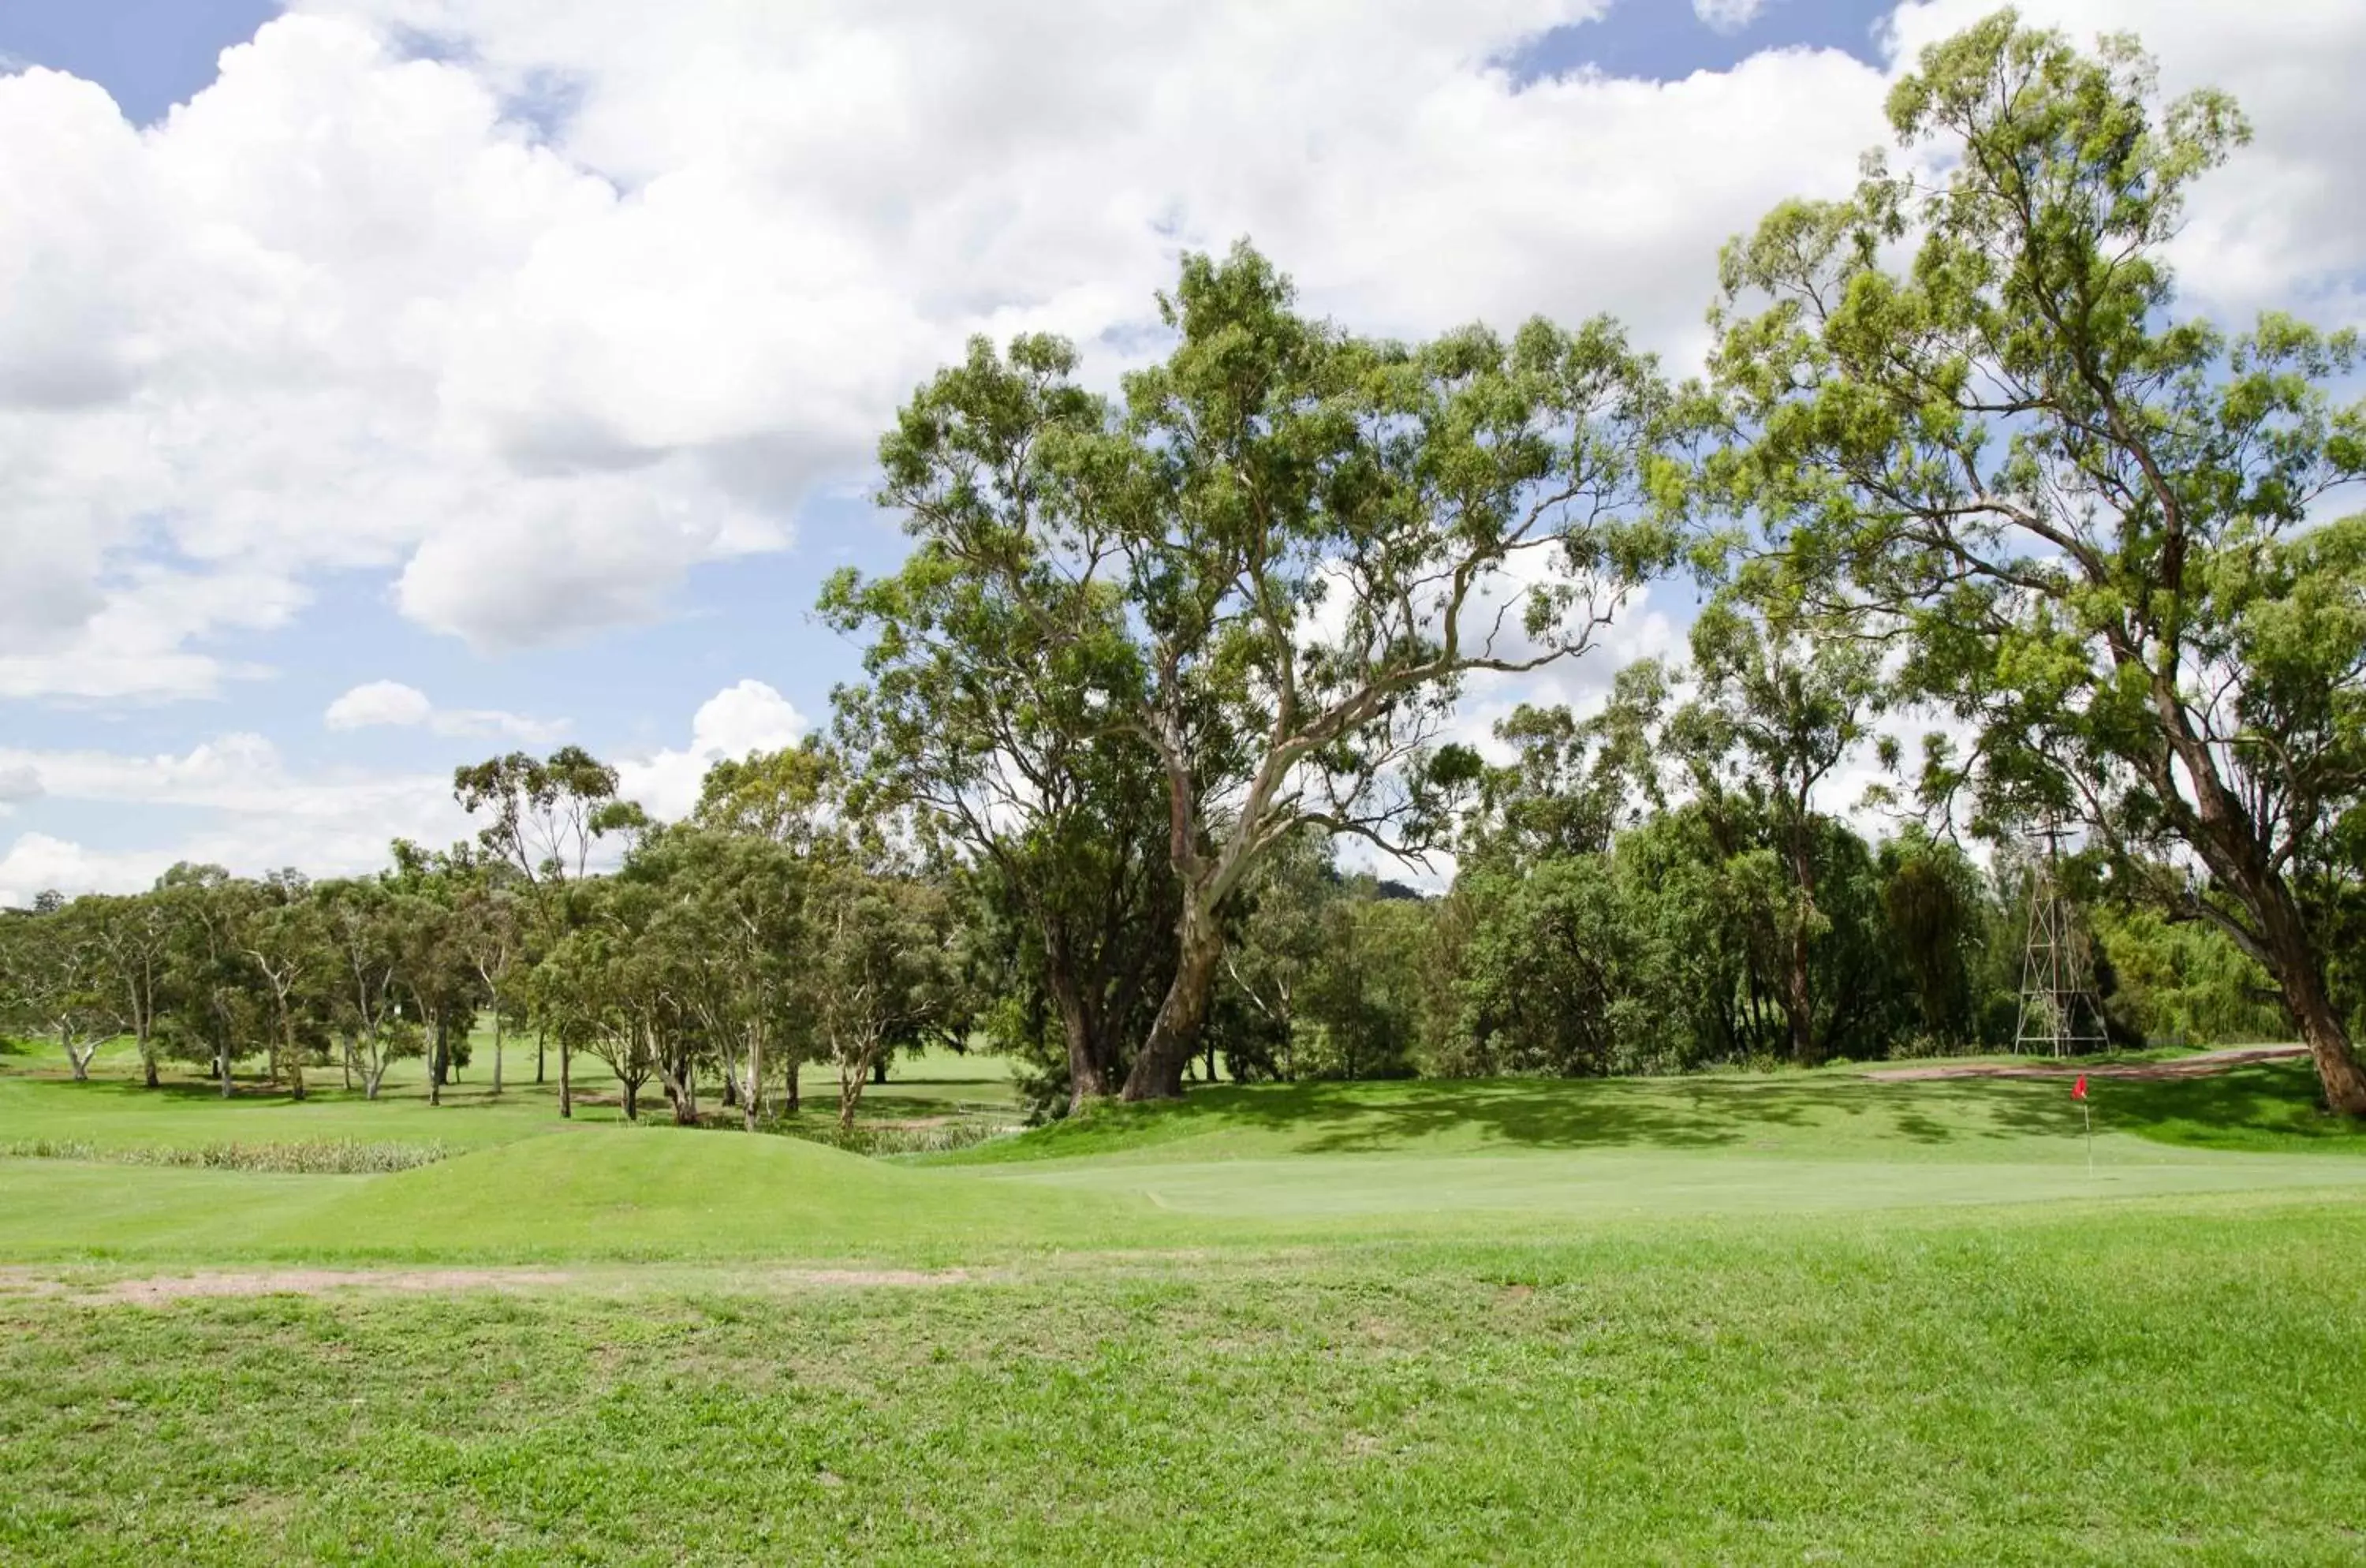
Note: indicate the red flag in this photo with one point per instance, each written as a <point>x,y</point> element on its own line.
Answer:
<point>2078,1089</point>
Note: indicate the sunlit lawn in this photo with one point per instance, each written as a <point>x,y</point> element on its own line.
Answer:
<point>1803,1318</point>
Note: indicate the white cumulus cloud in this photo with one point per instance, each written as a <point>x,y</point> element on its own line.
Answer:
<point>2283,224</point>
<point>390,702</point>
<point>254,813</point>
<point>534,308</point>
<point>36,863</point>
<point>741,719</point>
<point>378,702</point>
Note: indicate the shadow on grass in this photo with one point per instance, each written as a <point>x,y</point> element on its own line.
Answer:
<point>1686,1113</point>
<point>1340,1118</point>
<point>2259,1106</point>
<point>2270,1106</point>
<point>2265,1106</point>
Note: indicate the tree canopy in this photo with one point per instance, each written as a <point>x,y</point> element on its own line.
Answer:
<point>1173,668</point>
<point>1969,421</point>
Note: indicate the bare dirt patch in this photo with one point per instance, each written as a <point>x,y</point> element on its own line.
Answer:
<point>2197,1067</point>
<point>161,1289</point>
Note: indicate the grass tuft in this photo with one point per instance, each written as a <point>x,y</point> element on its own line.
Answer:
<point>343,1157</point>
<point>880,1141</point>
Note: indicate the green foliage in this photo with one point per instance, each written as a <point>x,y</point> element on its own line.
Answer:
<point>544,814</point>
<point>1256,588</point>
<point>2084,521</point>
<point>2184,983</point>
<point>995,671</point>
<point>1152,657</point>
<point>1555,979</point>
<point>1944,924</point>
<point>53,979</point>
<point>1363,998</point>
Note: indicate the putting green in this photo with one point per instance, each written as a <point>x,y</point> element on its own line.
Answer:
<point>1374,1190</point>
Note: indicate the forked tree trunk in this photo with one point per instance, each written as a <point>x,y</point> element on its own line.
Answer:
<point>1175,1033</point>
<point>682,1090</point>
<point>854,1072</point>
<point>147,1056</point>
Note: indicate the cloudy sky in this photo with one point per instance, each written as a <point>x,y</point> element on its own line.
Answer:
<point>385,382</point>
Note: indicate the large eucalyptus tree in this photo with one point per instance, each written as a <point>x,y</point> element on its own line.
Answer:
<point>1967,409</point>
<point>1266,572</point>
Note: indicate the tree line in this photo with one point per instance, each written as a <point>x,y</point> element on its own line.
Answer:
<point>1152,655</point>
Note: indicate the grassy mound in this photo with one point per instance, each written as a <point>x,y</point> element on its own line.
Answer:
<point>115,1113</point>
<point>589,1195</point>
<point>663,1193</point>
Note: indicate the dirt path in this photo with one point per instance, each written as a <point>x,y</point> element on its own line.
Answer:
<point>160,1289</point>
<point>2196,1066</point>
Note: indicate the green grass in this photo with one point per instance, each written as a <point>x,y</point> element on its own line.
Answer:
<point>1806,1317</point>
<point>113,1110</point>
<point>2021,1389</point>
<point>1230,1168</point>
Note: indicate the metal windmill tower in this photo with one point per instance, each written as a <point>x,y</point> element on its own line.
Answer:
<point>2060,1014</point>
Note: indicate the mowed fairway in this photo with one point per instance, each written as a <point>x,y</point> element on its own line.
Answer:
<point>1809,1317</point>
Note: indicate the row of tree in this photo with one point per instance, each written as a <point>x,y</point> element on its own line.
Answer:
<point>769,931</point>
<point>1955,454</point>
<point>724,953</point>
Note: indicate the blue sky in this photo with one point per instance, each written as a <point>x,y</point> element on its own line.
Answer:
<point>150,54</point>
<point>533,364</point>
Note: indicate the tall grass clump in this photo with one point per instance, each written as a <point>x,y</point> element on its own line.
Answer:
<point>339,1157</point>
<point>881,1141</point>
